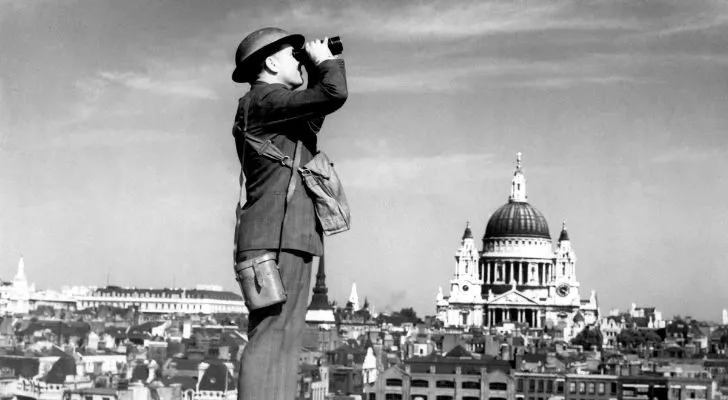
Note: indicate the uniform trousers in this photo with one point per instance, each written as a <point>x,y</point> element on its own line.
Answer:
<point>269,365</point>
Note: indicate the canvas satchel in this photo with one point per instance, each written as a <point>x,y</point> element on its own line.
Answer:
<point>320,179</point>
<point>324,187</point>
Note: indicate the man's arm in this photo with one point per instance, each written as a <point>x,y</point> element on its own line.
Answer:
<point>327,93</point>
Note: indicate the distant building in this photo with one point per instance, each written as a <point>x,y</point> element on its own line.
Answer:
<point>518,277</point>
<point>160,301</point>
<point>457,375</point>
<point>647,317</point>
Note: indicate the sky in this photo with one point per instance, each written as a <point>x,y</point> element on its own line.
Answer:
<point>117,163</point>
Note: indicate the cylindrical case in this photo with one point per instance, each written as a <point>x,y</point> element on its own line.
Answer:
<point>260,281</point>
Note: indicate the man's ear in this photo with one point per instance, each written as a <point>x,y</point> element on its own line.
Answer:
<point>271,64</point>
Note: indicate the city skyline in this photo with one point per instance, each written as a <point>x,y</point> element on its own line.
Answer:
<point>116,156</point>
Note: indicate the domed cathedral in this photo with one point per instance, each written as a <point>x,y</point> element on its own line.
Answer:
<point>517,278</point>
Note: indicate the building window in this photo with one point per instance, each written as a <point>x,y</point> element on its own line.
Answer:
<point>549,386</point>
<point>540,385</point>
<point>394,382</point>
<point>600,388</point>
<point>613,388</point>
<point>444,398</point>
<point>591,388</point>
<point>420,383</point>
<point>582,388</point>
<point>531,385</point>
<point>392,396</point>
<point>519,385</point>
<point>498,386</point>
<point>490,398</point>
<point>559,387</point>
<point>572,387</point>
<point>471,385</point>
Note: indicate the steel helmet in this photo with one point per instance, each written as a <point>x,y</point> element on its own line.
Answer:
<point>256,47</point>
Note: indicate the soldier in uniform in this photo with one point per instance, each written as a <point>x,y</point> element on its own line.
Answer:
<point>275,108</point>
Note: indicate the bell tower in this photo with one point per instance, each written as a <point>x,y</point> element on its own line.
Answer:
<point>468,278</point>
<point>565,257</point>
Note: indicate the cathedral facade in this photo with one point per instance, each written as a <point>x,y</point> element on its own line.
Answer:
<point>518,278</point>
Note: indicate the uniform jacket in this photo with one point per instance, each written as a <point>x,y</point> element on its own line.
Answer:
<point>286,116</point>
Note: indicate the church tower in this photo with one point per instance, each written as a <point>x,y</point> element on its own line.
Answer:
<point>20,295</point>
<point>464,306</point>
<point>465,286</point>
<point>354,298</point>
<point>565,257</point>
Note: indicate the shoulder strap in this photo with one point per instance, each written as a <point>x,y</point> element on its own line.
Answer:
<point>289,194</point>
<point>267,148</point>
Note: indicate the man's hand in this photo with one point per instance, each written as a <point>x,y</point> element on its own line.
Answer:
<point>318,51</point>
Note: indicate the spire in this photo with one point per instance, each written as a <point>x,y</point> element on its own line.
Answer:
<point>20,275</point>
<point>354,297</point>
<point>564,234</point>
<point>320,300</point>
<point>518,184</point>
<point>468,234</point>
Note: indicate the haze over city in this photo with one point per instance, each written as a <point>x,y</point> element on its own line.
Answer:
<point>117,162</point>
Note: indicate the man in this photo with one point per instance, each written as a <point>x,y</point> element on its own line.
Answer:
<point>276,111</point>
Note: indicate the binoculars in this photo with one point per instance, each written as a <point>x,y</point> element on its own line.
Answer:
<point>334,43</point>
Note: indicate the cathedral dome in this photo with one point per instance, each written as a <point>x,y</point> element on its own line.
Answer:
<point>518,219</point>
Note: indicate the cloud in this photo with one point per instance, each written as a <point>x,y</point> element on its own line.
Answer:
<point>91,92</point>
<point>569,82</point>
<point>490,72</point>
<point>687,154</point>
<point>169,87</point>
<point>435,19</point>
<point>696,16</point>
<point>116,138</point>
<point>393,172</point>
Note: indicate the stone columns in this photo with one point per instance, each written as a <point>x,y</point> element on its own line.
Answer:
<point>486,265</point>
